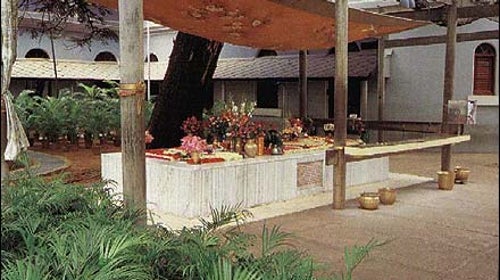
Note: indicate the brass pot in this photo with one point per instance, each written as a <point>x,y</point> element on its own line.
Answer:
<point>387,195</point>
<point>369,200</point>
<point>446,180</point>
<point>461,174</point>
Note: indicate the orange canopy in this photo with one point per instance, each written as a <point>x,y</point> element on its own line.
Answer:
<point>267,24</point>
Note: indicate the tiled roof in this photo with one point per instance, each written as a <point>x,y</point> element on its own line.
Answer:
<point>361,64</point>
<point>77,69</point>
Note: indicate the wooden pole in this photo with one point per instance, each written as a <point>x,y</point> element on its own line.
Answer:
<point>449,73</point>
<point>380,85</point>
<point>364,100</point>
<point>340,106</point>
<point>132,104</point>
<point>303,83</point>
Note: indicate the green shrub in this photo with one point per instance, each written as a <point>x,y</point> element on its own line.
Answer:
<point>54,230</point>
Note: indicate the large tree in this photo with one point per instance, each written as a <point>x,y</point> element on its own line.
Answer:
<point>183,90</point>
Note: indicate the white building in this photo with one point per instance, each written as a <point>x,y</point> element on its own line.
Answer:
<point>414,76</point>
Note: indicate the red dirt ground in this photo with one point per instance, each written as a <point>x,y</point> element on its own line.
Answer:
<point>84,165</point>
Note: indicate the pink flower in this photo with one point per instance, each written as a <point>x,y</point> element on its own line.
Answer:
<point>192,143</point>
<point>148,138</point>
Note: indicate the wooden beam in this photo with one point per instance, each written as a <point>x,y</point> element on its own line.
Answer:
<point>303,83</point>
<point>340,102</point>
<point>359,153</point>
<point>425,127</point>
<point>380,85</point>
<point>449,79</point>
<point>132,104</point>
<point>478,11</point>
<point>438,14</point>
<point>441,39</point>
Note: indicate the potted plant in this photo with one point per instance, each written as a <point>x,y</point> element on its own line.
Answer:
<point>96,122</point>
<point>73,117</point>
<point>194,146</point>
<point>49,117</point>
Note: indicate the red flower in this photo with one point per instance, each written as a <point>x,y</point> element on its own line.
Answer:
<point>191,126</point>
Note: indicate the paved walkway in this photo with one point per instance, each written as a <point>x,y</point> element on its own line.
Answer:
<point>45,164</point>
<point>434,234</point>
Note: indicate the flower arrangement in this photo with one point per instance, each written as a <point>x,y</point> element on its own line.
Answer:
<point>229,119</point>
<point>193,143</point>
<point>293,128</point>
<point>192,126</point>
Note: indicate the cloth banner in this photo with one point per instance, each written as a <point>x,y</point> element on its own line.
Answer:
<point>471,111</point>
<point>16,137</point>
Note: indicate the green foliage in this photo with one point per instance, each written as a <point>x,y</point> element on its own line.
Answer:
<point>49,116</point>
<point>54,230</point>
<point>353,256</point>
<point>25,105</point>
<point>94,111</point>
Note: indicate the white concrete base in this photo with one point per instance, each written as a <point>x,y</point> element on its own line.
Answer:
<point>190,191</point>
<point>267,211</point>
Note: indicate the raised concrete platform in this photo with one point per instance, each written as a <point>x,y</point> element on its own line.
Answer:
<point>191,191</point>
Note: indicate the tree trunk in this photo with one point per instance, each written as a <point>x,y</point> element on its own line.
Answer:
<point>9,54</point>
<point>188,78</point>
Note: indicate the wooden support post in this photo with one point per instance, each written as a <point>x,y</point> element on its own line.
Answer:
<point>449,73</point>
<point>340,100</point>
<point>132,104</point>
<point>380,85</point>
<point>364,100</point>
<point>303,82</point>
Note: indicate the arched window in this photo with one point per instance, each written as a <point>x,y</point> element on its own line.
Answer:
<point>36,53</point>
<point>38,85</point>
<point>105,56</point>
<point>484,70</point>
<point>265,52</point>
<point>152,58</point>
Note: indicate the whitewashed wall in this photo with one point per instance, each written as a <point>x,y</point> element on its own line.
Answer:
<point>414,92</point>
<point>63,48</point>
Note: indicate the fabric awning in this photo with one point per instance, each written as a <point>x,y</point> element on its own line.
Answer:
<point>267,24</point>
